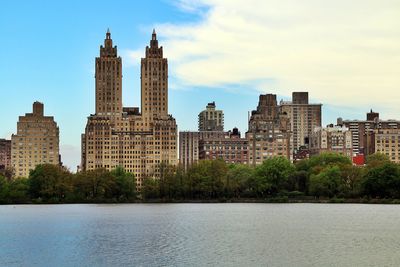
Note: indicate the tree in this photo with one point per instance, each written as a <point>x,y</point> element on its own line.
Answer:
<point>125,184</point>
<point>273,174</point>
<point>237,179</point>
<point>19,191</point>
<point>376,159</point>
<point>3,189</point>
<point>326,183</point>
<point>351,180</point>
<point>299,181</point>
<point>151,188</point>
<point>49,182</point>
<point>327,159</point>
<point>382,181</point>
<point>98,184</point>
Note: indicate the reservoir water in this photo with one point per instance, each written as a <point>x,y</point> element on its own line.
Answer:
<point>200,235</point>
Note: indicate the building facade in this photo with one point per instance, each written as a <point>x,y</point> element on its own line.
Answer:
<point>123,136</point>
<point>231,148</point>
<point>189,145</point>
<point>387,141</point>
<point>5,154</point>
<point>36,141</point>
<point>269,131</point>
<point>334,139</point>
<point>304,118</point>
<point>211,119</point>
<point>363,132</point>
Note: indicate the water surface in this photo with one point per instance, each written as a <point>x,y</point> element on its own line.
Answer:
<point>200,235</point>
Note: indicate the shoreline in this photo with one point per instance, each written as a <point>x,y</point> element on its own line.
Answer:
<point>278,200</point>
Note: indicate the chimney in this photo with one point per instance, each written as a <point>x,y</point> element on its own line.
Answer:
<point>38,109</point>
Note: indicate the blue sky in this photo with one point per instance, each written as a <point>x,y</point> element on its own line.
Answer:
<point>344,54</point>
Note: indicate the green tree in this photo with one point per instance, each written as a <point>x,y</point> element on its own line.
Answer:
<point>151,188</point>
<point>376,160</point>
<point>299,181</point>
<point>125,184</point>
<point>326,183</point>
<point>237,180</point>
<point>49,182</point>
<point>382,181</point>
<point>95,185</point>
<point>273,174</point>
<point>4,189</point>
<point>351,180</point>
<point>19,191</point>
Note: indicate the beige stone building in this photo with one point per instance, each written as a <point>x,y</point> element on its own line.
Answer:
<point>335,139</point>
<point>211,119</point>
<point>269,131</point>
<point>304,118</point>
<point>36,141</point>
<point>124,136</point>
<point>387,141</point>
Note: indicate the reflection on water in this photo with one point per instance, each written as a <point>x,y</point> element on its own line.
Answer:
<point>200,235</point>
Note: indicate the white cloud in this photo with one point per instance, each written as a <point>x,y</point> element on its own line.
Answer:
<point>342,52</point>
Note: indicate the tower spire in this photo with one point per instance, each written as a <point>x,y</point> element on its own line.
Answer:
<point>108,34</point>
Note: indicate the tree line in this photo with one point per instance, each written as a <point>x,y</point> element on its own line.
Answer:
<point>323,176</point>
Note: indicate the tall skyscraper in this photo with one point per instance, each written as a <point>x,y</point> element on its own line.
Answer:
<point>123,136</point>
<point>304,118</point>
<point>154,82</point>
<point>269,131</point>
<point>211,119</point>
<point>108,79</point>
<point>36,141</point>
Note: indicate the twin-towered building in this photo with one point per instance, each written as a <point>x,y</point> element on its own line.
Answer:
<point>143,139</point>
<point>138,140</point>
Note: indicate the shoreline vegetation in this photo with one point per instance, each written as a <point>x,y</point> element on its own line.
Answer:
<point>325,178</point>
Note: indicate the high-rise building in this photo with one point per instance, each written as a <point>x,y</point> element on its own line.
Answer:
<point>123,136</point>
<point>304,118</point>
<point>5,154</point>
<point>154,82</point>
<point>211,119</point>
<point>335,139</point>
<point>36,141</point>
<point>108,71</point>
<point>269,131</point>
<point>363,131</point>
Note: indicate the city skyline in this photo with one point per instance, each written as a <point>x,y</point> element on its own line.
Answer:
<point>56,65</point>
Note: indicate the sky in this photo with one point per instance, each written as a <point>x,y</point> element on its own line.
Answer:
<point>346,54</point>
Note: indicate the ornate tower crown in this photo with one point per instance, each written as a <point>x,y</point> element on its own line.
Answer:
<point>108,50</point>
<point>154,51</point>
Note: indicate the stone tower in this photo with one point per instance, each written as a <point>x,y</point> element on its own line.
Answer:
<point>154,82</point>
<point>108,79</point>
